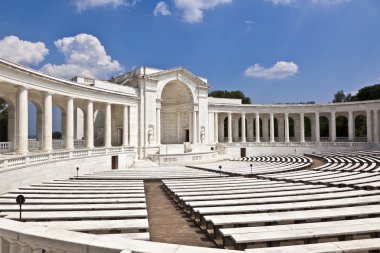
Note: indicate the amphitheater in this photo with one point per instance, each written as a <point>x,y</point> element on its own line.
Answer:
<point>147,163</point>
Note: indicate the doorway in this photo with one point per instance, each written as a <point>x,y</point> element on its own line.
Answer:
<point>115,162</point>
<point>243,152</point>
<point>187,135</point>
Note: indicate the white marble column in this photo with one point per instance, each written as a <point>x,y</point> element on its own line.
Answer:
<point>195,138</point>
<point>90,124</point>
<point>158,126</point>
<point>126,125</point>
<point>302,127</point>
<point>350,126</point>
<point>375,126</point>
<point>48,123</point>
<point>22,135</point>
<point>317,128</point>
<point>229,127</point>
<point>271,127</point>
<point>286,127</point>
<point>107,126</point>
<point>216,127</point>
<point>257,123</point>
<point>69,141</point>
<point>249,128</point>
<point>243,128</point>
<point>369,126</point>
<point>333,127</point>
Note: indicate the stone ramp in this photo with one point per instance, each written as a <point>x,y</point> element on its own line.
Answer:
<point>167,222</point>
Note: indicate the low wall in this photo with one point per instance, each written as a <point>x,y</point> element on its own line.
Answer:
<point>30,173</point>
<point>253,149</point>
<point>186,158</point>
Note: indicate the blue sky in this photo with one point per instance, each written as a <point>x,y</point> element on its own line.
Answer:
<point>273,50</point>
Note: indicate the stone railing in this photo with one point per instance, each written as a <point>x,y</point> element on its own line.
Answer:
<point>79,143</point>
<point>8,163</point>
<point>58,144</point>
<point>22,237</point>
<point>33,145</point>
<point>5,146</point>
<point>299,144</point>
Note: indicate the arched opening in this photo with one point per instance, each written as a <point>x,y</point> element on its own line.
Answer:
<point>58,127</point>
<point>307,124</point>
<point>225,129</point>
<point>361,128</point>
<point>3,120</point>
<point>99,117</point>
<point>341,128</point>
<point>34,126</point>
<point>177,114</point>
<point>324,128</point>
<point>291,128</point>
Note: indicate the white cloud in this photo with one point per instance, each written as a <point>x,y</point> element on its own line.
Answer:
<point>280,70</point>
<point>84,56</point>
<point>162,9</point>
<point>295,2</point>
<point>192,10</point>
<point>22,51</point>
<point>83,5</point>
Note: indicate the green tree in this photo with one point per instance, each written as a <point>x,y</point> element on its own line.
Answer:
<point>368,93</point>
<point>230,94</point>
<point>339,97</point>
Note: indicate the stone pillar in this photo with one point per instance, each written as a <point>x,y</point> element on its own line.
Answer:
<point>125,125</point>
<point>250,128</point>
<point>302,127</point>
<point>69,143</point>
<point>179,128</point>
<point>40,128</point>
<point>317,130</point>
<point>333,127</point>
<point>90,125</point>
<point>195,138</point>
<point>257,127</point>
<point>271,127</point>
<point>107,126</point>
<point>22,135</point>
<point>375,126</point>
<point>243,128</point>
<point>216,127</point>
<point>369,126</point>
<point>350,126</point>
<point>48,123</point>
<point>13,247</point>
<point>229,127</point>
<point>25,248</point>
<point>286,127</point>
<point>158,126</point>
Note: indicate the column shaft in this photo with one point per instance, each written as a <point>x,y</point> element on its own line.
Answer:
<point>369,126</point>
<point>286,127</point>
<point>216,127</point>
<point>302,127</point>
<point>195,136</point>
<point>375,126</point>
<point>257,123</point>
<point>107,126</point>
<point>243,128</point>
<point>333,127</point>
<point>271,127</point>
<point>125,125</point>
<point>158,126</point>
<point>317,130</point>
<point>90,125</point>
<point>22,140</point>
<point>48,123</point>
<point>229,127</point>
<point>70,123</point>
<point>350,126</point>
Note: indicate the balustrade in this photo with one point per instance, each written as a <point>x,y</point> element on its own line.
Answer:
<point>33,145</point>
<point>58,144</point>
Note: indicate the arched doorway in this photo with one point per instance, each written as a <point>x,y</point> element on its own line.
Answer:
<point>177,116</point>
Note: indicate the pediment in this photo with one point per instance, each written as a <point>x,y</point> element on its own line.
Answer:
<point>182,73</point>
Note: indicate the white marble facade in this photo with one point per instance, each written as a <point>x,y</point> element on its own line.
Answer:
<point>157,111</point>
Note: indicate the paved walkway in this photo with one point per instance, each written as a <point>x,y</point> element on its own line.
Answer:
<point>316,163</point>
<point>167,222</point>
